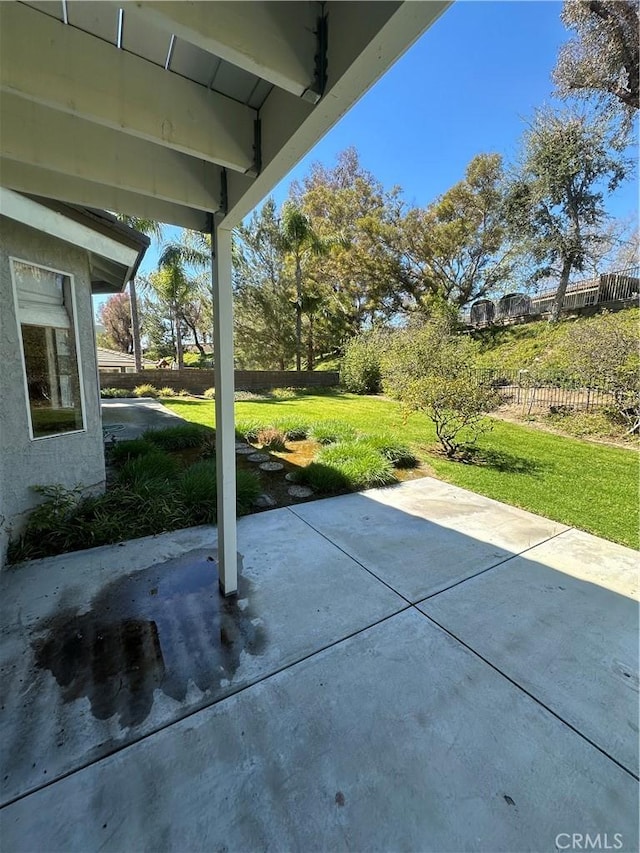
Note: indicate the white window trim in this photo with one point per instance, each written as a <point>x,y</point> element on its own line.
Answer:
<point>74,321</point>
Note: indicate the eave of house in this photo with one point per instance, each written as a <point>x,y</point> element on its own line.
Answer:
<point>115,250</point>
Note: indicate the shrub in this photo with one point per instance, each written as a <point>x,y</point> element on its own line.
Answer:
<point>328,432</point>
<point>108,393</point>
<point>167,392</point>
<point>325,479</point>
<point>247,490</point>
<point>145,391</point>
<point>429,370</point>
<point>360,371</point>
<point>397,453</point>
<point>197,490</point>
<point>123,451</point>
<point>183,393</point>
<point>179,437</point>
<point>151,467</point>
<point>293,428</point>
<point>606,354</point>
<point>210,393</point>
<point>283,393</point>
<point>271,438</point>
<point>362,466</point>
<point>248,430</point>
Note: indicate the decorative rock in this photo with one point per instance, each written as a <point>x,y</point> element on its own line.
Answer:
<point>259,457</point>
<point>245,449</point>
<point>241,444</point>
<point>271,466</point>
<point>290,477</point>
<point>300,491</point>
<point>264,502</point>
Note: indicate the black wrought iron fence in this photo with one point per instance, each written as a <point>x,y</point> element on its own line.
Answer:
<point>536,390</point>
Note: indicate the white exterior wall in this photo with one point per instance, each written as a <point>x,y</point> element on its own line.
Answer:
<point>70,459</point>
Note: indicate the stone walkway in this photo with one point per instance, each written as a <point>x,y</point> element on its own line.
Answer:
<point>415,668</point>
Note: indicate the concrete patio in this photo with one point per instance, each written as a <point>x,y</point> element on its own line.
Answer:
<point>416,668</point>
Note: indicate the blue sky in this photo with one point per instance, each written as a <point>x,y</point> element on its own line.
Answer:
<point>467,86</point>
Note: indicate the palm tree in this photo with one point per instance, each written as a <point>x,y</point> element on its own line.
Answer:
<point>300,241</point>
<point>192,250</point>
<point>152,229</point>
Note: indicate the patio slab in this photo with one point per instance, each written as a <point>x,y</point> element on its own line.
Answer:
<point>563,623</point>
<point>396,739</point>
<point>94,662</point>
<point>423,536</point>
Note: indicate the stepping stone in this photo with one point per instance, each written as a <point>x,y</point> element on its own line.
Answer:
<point>291,477</point>
<point>259,457</point>
<point>271,466</point>
<point>300,491</point>
<point>245,449</point>
<point>241,444</point>
<point>265,502</point>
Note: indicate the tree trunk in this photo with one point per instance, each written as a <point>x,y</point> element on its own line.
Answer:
<point>135,325</point>
<point>179,351</point>
<point>298,315</point>
<point>556,308</point>
<point>310,348</point>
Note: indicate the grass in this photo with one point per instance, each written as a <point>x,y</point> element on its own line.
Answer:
<point>589,486</point>
<point>518,346</point>
<point>361,465</point>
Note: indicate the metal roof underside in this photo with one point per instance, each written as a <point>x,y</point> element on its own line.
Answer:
<point>177,111</point>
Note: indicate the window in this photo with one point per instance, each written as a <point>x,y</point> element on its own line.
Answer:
<point>44,302</point>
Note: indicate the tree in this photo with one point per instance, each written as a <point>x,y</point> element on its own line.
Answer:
<point>171,288</point>
<point>427,368</point>
<point>556,200</point>
<point>301,242</point>
<point>356,280</point>
<point>176,285</point>
<point>456,250</point>
<point>263,293</point>
<point>602,60</point>
<point>152,229</point>
<point>115,316</point>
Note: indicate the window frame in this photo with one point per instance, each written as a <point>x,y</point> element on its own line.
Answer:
<point>73,317</point>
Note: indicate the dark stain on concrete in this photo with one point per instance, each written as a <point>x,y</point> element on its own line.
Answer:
<point>160,628</point>
<point>340,800</point>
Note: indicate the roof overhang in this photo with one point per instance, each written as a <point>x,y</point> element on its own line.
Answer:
<point>115,250</point>
<point>178,111</point>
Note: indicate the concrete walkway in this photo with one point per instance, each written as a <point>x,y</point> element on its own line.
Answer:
<point>416,668</point>
<point>129,417</point>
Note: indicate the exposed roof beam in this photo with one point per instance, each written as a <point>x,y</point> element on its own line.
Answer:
<point>361,49</point>
<point>273,40</point>
<point>62,143</point>
<point>61,67</point>
<point>37,180</point>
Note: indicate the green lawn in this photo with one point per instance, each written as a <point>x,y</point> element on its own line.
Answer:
<point>582,484</point>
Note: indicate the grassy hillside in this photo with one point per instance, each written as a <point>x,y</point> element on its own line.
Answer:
<point>518,346</point>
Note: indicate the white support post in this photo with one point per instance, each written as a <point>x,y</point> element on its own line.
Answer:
<point>225,427</point>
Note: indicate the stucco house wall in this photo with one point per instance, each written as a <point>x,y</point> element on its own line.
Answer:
<point>69,459</point>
